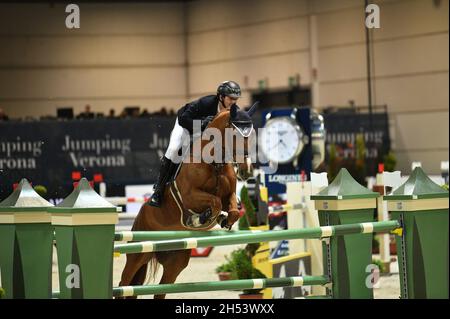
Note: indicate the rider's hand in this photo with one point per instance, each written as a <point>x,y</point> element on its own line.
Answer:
<point>206,121</point>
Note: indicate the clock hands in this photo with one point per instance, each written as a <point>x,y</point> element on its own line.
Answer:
<point>275,145</point>
<point>282,139</point>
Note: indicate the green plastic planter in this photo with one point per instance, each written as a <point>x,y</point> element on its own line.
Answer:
<point>347,258</point>
<point>84,229</point>
<point>26,236</point>
<point>422,207</point>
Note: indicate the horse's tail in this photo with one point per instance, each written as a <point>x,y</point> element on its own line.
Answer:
<point>152,268</point>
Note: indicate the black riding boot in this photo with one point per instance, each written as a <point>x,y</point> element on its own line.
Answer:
<point>165,172</point>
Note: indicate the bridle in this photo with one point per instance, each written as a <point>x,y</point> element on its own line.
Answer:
<point>219,166</point>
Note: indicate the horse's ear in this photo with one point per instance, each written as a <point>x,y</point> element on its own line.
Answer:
<point>253,108</point>
<point>233,111</point>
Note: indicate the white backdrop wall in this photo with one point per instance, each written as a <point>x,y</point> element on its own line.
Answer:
<point>164,54</point>
<point>122,55</point>
<point>255,40</point>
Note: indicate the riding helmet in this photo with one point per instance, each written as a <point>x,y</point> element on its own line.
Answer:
<point>229,88</point>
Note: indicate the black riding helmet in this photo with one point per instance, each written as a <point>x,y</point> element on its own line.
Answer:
<point>229,88</point>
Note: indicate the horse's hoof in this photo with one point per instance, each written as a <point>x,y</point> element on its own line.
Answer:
<point>224,224</point>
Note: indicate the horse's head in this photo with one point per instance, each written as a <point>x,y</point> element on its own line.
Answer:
<point>236,127</point>
<point>241,124</point>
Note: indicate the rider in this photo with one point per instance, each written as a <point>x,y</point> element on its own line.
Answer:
<point>203,109</point>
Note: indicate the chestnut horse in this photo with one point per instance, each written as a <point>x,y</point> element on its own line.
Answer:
<point>201,187</point>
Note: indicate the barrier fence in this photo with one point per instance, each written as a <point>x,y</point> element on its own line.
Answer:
<point>177,234</point>
<point>310,233</point>
<point>83,227</point>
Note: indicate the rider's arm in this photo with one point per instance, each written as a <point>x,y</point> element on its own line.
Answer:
<point>188,114</point>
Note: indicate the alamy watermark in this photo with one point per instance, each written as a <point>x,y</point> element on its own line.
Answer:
<point>73,17</point>
<point>73,277</point>
<point>214,146</point>
<point>373,279</point>
<point>373,16</point>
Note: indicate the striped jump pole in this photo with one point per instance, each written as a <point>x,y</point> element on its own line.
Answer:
<point>286,207</point>
<point>130,216</point>
<point>128,291</point>
<point>127,200</point>
<point>308,233</point>
<point>177,234</point>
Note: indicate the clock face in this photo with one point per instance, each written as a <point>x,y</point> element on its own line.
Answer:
<point>281,140</point>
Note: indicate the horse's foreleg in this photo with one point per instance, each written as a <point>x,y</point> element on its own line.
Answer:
<point>199,201</point>
<point>173,262</point>
<point>233,211</point>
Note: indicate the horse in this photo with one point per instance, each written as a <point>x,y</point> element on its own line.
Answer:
<point>197,187</point>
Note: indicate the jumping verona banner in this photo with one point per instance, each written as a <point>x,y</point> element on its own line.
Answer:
<point>47,152</point>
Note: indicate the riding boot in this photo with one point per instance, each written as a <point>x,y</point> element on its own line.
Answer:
<point>166,170</point>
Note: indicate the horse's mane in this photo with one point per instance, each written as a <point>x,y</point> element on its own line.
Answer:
<point>222,115</point>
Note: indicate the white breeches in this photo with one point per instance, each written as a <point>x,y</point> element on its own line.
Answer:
<point>177,137</point>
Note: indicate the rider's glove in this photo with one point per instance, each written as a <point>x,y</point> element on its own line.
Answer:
<point>206,121</point>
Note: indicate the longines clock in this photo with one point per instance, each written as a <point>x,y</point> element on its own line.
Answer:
<point>282,139</point>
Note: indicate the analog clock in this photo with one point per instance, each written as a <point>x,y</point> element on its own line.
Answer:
<point>282,139</point>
